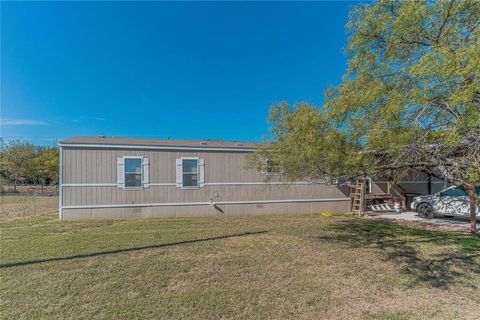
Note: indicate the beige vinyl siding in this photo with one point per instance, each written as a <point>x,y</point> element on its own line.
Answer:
<point>172,194</point>
<point>98,166</point>
<point>206,210</point>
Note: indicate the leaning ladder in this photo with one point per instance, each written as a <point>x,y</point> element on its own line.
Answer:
<point>358,206</point>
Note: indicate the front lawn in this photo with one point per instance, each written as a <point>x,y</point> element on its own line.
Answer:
<point>272,266</point>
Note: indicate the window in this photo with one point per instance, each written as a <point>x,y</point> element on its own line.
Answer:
<point>271,168</point>
<point>190,172</point>
<point>133,172</point>
<point>454,192</point>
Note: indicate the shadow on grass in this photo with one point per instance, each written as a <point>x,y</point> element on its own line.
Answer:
<point>102,253</point>
<point>402,244</point>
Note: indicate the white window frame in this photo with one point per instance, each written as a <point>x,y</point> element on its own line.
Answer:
<point>198,173</point>
<point>125,173</point>
<point>265,172</point>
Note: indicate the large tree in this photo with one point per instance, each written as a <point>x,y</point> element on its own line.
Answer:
<point>408,102</point>
<point>47,164</point>
<point>24,161</point>
<point>17,161</point>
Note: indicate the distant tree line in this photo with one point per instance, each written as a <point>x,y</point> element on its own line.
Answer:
<point>23,162</point>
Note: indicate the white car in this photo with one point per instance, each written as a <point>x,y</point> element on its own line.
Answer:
<point>449,202</point>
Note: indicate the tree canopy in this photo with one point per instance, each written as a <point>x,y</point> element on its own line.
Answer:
<point>23,161</point>
<point>409,100</point>
<point>413,82</point>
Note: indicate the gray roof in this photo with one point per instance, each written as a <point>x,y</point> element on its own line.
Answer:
<point>200,144</point>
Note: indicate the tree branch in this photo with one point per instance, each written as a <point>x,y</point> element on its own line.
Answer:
<point>450,5</point>
<point>465,40</point>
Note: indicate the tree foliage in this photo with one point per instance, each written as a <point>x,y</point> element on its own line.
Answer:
<point>413,82</point>
<point>23,161</point>
<point>47,164</point>
<point>304,144</point>
<point>408,102</point>
<point>18,161</point>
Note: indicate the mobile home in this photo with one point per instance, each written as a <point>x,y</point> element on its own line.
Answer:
<point>103,178</point>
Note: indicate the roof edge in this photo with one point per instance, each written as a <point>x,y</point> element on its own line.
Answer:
<point>152,147</point>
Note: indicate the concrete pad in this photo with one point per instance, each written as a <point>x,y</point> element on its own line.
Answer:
<point>454,223</point>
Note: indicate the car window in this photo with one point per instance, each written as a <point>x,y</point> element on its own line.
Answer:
<point>454,192</point>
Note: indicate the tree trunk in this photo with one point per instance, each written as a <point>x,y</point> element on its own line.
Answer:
<point>473,214</point>
<point>473,210</point>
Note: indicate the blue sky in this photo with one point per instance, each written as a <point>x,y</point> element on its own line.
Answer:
<point>163,70</point>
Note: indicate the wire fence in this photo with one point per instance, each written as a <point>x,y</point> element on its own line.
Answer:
<point>23,205</point>
<point>28,189</point>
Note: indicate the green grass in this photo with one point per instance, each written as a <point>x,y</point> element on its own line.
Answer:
<point>271,266</point>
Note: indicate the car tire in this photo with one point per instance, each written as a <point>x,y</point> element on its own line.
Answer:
<point>425,210</point>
